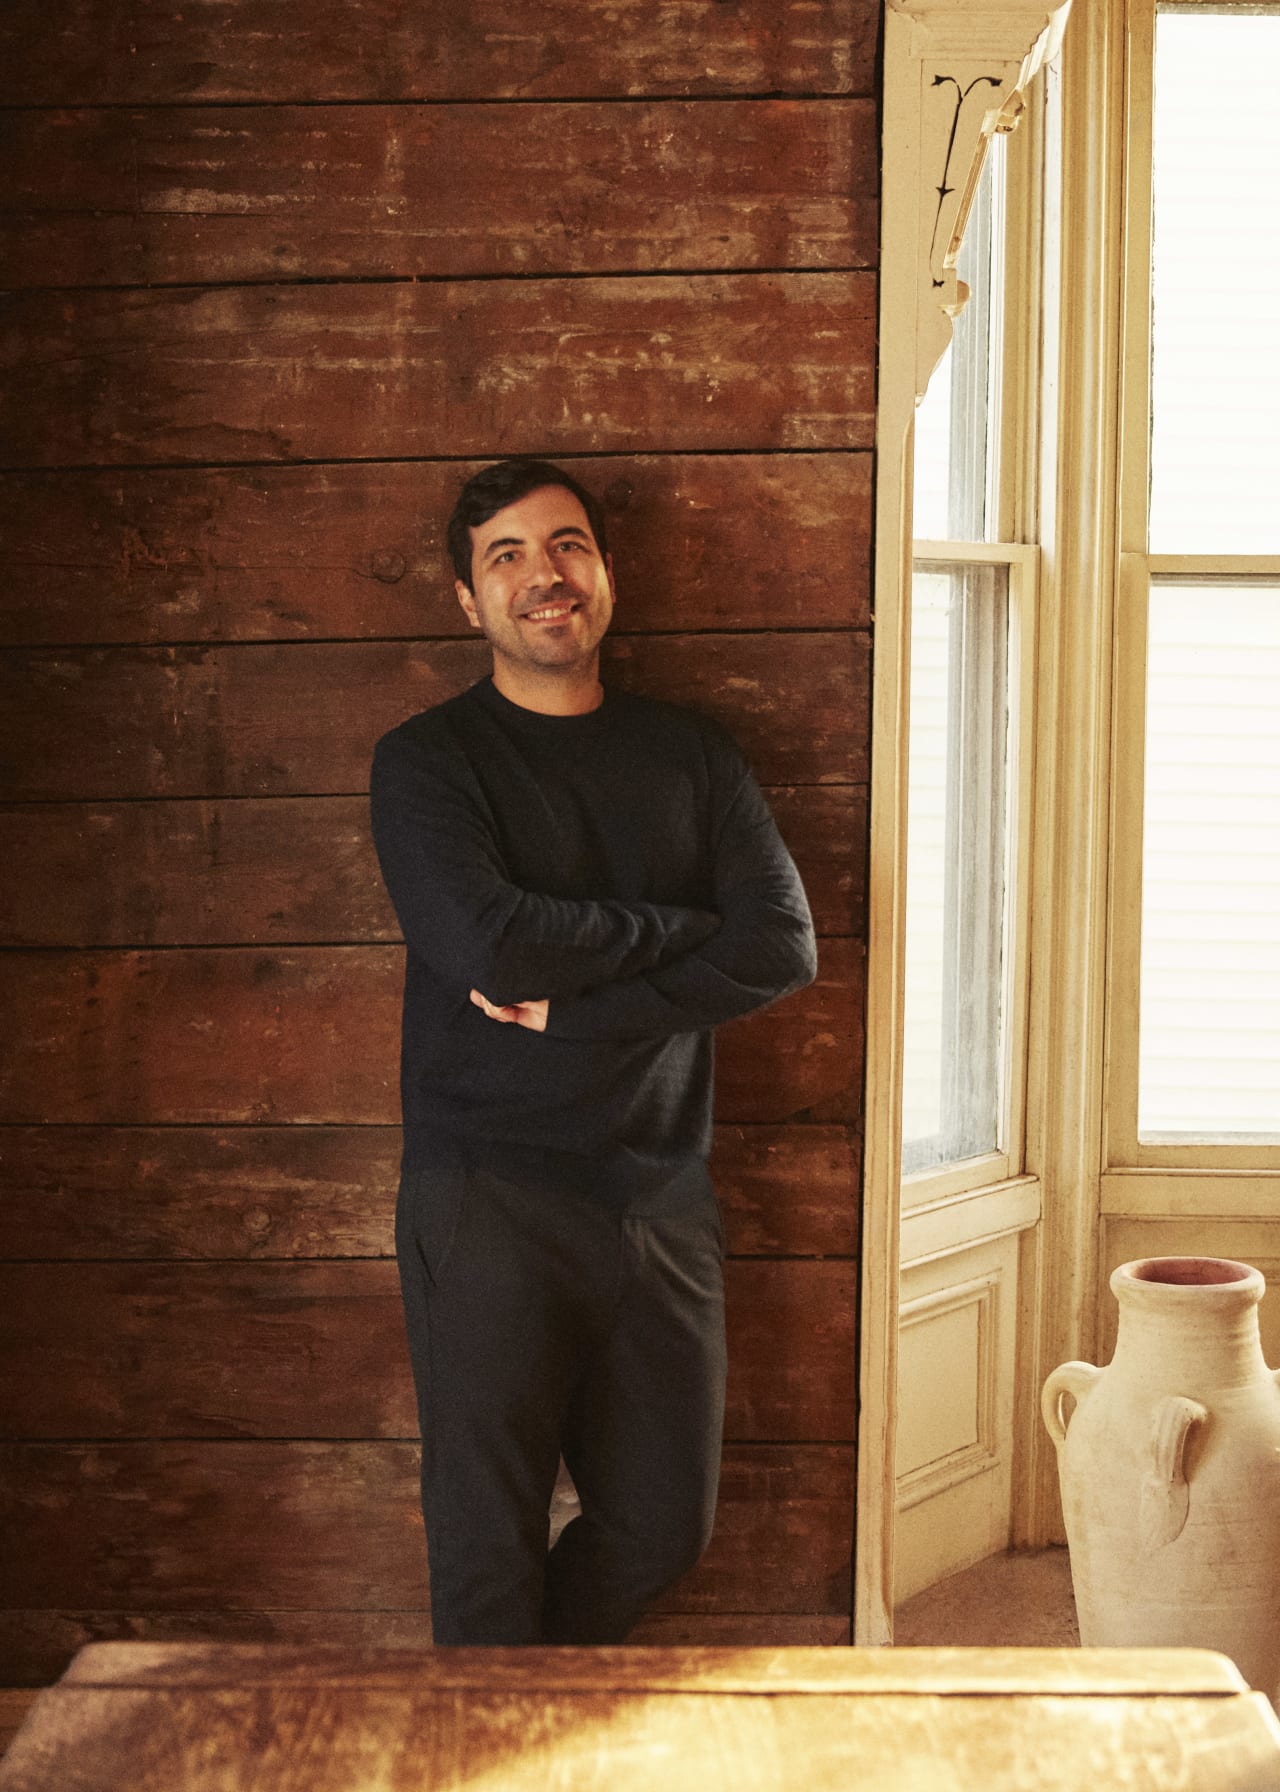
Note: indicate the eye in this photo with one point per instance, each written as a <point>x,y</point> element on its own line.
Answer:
<point>506,554</point>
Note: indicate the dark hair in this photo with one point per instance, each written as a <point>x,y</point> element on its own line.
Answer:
<point>505,482</point>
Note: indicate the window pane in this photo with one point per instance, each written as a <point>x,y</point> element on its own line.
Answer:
<point>1216,259</point>
<point>955,462</point>
<point>956,842</point>
<point>1209,1059</point>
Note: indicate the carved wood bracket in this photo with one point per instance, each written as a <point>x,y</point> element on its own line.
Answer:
<point>955,74</point>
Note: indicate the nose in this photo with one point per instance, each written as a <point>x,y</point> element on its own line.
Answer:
<point>544,570</point>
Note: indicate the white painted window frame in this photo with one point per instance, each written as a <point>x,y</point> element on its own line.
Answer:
<point>932,157</point>
<point>1198,1170</point>
<point>1021,564</point>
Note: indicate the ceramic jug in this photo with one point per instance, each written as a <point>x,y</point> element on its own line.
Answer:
<point>1169,1463</point>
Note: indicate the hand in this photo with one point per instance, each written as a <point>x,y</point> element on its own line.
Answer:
<point>521,1014</point>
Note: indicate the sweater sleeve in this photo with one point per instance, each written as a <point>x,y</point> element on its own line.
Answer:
<point>459,910</point>
<point>763,949</point>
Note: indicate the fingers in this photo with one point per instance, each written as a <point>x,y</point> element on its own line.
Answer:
<point>495,1013</point>
<point>521,1014</point>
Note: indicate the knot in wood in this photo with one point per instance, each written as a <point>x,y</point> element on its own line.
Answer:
<point>387,566</point>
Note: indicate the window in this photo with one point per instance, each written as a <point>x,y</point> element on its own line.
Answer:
<point>970,607</point>
<point>1196,1022</point>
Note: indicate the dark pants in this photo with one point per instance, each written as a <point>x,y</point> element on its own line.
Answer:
<point>546,1324</point>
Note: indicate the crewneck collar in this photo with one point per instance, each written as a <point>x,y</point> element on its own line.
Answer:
<point>537,721</point>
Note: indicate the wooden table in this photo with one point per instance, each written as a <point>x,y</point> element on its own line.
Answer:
<point>237,1718</point>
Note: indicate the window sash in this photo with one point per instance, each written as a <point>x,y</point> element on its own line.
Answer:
<point>955,1179</point>
<point>1121,1149</point>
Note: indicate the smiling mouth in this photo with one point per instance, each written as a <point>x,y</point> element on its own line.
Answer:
<point>550,613</point>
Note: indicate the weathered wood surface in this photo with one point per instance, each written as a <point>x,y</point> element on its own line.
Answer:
<point>274,373</point>
<point>736,542</point>
<point>1069,1673</point>
<point>781,1721</point>
<point>177,195</point>
<point>265,870</point>
<point>294,870</point>
<point>238,1526</point>
<point>36,1646</point>
<point>302,719</point>
<point>69,52</point>
<point>316,1350</point>
<point>311,1036</point>
<point>325,1740</point>
<point>802,1059</point>
<point>236,1192</point>
<point>299,1192</point>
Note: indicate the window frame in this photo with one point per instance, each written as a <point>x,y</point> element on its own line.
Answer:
<point>1124,1154</point>
<point>923,209</point>
<point>963,1178</point>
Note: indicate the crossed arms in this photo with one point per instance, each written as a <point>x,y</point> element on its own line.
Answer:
<point>584,969</point>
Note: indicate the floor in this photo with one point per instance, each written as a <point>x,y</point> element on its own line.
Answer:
<point>1019,1600</point>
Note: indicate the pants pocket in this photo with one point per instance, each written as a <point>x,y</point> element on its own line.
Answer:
<point>428,1209</point>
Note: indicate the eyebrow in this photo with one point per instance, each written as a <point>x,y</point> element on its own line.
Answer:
<point>518,541</point>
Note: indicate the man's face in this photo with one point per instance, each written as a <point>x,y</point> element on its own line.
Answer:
<point>541,591</point>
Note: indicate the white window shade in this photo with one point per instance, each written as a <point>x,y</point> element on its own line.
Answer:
<point>1215,276</point>
<point>957,843</point>
<point>1209,1054</point>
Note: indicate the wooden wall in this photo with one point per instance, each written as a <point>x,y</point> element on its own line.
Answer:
<point>284,272</point>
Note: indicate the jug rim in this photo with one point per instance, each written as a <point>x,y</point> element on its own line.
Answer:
<point>1188,1275</point>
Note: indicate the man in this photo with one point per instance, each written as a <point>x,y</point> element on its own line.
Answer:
<point>587,882</point>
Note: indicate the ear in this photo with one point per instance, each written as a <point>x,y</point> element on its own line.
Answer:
<point>468,602</point>
<point>608,567</point>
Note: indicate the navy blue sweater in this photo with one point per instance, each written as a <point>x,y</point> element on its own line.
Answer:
<point>621,864</point>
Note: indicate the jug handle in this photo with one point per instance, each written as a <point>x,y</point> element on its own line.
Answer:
<point>1068,1378</point>
<point>1166,1496</point>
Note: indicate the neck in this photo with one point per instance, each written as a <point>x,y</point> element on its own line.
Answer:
<point>565,693</point>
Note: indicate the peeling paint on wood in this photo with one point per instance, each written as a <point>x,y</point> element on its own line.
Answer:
<point>310,1036</point>
<point>209,464</point>
<point>292,870</point>
<point>177,195</point>
<point>341,551</point>
<point>276,373</point>
<point>316,1350</point>
<point>312,1525</point>
<point>302,719</point>
<point>66,52</point>
<point>246,1193</point>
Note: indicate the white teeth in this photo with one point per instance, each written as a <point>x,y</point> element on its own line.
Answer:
<point>545,615</point>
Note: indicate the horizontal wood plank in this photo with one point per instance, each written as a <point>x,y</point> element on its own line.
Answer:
<point>293,870</point>
<point>416,1732</point>
<point>790,1190</point>
<point>90,1192</point>
<point>72,52</point>
<point>37,1646</point>
<point>742,1630</point>
<point>336,372</point>
<point>316,1350</point>
<point>173,195</point>
<point>262,1193</point>
<point>238,1526</point>
<point>357,551</point>
<point>802,1059</point>
<point>302,719</point>
<point>311,1036</point>
<point>793,1353</point>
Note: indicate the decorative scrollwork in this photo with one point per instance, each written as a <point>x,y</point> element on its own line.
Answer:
<point>945,189</point>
